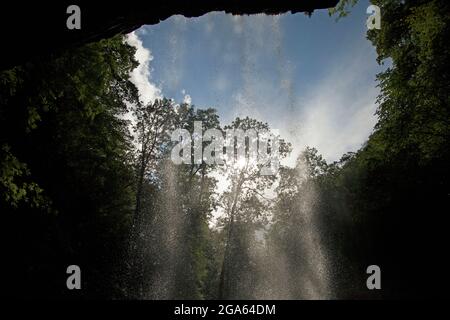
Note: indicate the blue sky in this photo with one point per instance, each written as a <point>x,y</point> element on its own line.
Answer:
<point>310,77</point>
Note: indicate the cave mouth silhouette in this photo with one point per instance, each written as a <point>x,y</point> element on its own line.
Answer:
<point>37,30</point>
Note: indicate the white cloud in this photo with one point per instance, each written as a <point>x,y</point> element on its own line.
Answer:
<point>337,115</point>
<point>334,115</point>
<point>141,76</point>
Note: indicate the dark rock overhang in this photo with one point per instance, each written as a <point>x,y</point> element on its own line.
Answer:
<point>37,29</point>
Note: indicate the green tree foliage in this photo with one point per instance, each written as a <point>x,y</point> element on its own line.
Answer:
<point>65,167</point>
<point>396,187</point>
<point>246,207</point>
<point>176,257</point>
<point>343,8</point>
<point>413,112</point>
